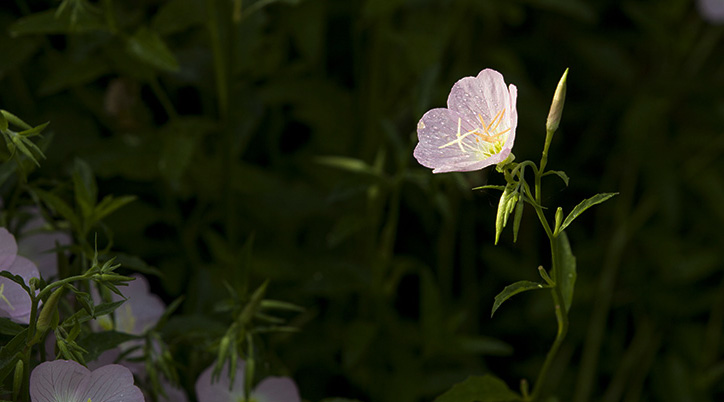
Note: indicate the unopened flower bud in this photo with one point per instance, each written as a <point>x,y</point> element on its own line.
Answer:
<point>18,378</point>
<point>48,318</point>
<point>559,98</point>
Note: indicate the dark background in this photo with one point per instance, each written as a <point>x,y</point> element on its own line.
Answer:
<point>294,125</point>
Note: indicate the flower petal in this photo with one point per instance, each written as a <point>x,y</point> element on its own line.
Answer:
<point>8,249</point>
<point>436,130</point>
<point>142,310</point>
<point>476,130</point>
<point>112,383</point>
<point>59,380</point>
<point>38,243</point>
<point>711,10</point>
<point>485,94</point>
<point>173,394</point>
<point>208,391</point>
<point>276,389</point>
<point>14,300</point>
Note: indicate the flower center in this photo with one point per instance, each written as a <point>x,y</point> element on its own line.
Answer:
<point>486,140</point>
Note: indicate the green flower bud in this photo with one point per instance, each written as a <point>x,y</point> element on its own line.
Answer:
<point>559,98</point>
<point>18,378</point>
<point>559,219</point>
<point>48,318</point>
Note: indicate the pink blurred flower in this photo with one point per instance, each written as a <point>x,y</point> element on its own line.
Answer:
<point>271,389</point>
<point>14,300</point>
<point>139,313</point>
<point>711,10</point>
<point>37,242</point>
<point>476,130</point>
<point>68,381</point>
<point>173,394</point>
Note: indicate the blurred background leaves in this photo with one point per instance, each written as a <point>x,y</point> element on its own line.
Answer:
<point>294,122</point>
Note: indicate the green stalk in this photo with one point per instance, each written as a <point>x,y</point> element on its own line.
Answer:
<point>559,306</point>
<point>562,319</point>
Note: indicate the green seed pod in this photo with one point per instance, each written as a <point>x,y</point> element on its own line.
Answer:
<point>48,318</point>
<point>18,378</point>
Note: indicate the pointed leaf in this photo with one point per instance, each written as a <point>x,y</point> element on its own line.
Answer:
<point>148,47</point>
<point>47,22</point>
<point>558,173</point>
<point>18,141</point>
<point>15,120</point>
<point>17,279</point>
<point>108,205</point>
<point>349,164</point>
<point>564,268</point>
<point>178,15</point>
<point>33,131</point>
<point>514,289</point>
<point>85,189</point>
<point>58,205</point>
<point>490,187</point>
<point>10,352</point>
<point>486,388</point>
<point>7,327</point>
<point>584,205</point>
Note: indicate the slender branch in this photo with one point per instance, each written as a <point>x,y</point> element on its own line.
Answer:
<point>562,319</point>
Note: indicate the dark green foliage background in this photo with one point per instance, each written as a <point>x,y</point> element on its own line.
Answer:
<point>396,266</point>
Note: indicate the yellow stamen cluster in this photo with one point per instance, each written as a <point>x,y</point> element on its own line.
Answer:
<point>492,142</point>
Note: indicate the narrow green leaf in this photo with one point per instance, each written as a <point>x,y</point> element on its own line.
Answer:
<point>100,310</point>
<point>46,22</point>
<point>280,305</point>
<point>486,388</point>
<point>3,122</point>
<point>584,205</point>
<point>148,47</point>
<point>108,205</point>
<point>349,164</point>
<point>58,205</point>
<point>564,268</point>
<point>33,131</point>
<point>514,289</point>
<point>15,120</point>
<point>558,173</point>
<point>7,327</point>
<point>178,15</point>
<point>10,352</point>
<point>490,187</point>
<point>20,143</point>
<point>482,345</point>
<point>17,279</point>
<point>85,189</point>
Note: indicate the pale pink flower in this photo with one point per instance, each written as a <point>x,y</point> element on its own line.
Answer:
<point>711,10</point>
<point>38,242</point>
<point>139,313</point>
<point>15,302</point>
<point>271,389</point>
<point>68,381</point>
<point>476,130</point>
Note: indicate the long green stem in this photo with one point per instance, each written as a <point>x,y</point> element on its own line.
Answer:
<point>559,306</point>
<point>562,318</point>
